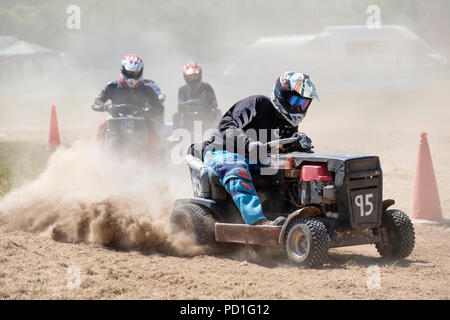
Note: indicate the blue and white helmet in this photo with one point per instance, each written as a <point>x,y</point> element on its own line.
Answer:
<point>292,94</point>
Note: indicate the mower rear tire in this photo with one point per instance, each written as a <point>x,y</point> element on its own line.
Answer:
<point>196,220</point>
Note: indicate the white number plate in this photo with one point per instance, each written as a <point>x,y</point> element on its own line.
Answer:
<point>364,204</point>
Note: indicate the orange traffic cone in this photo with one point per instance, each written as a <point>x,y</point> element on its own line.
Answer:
<point>426,203</point>
<point>53,137</point>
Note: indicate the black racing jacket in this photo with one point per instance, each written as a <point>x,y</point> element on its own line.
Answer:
<point>204,93</point>
<point>250,119</point>
<point>146,94</point>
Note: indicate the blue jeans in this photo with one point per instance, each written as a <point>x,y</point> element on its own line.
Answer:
<point>233,171</point>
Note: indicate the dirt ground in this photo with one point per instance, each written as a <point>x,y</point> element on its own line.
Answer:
<point>34,266</point>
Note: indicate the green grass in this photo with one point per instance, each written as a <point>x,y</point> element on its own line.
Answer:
<point>20,162</point>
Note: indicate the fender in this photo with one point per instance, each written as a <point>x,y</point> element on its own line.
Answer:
<point>208,203</point>
<point>222,210</point>
<point>305,212</point>
<point>387,203</point>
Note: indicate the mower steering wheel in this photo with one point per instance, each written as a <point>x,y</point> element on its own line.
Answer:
<point>124,109</point>
<point>126,106</point>
<point>280,142</point>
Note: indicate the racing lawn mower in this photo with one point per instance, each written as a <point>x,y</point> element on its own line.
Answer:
<point>328,201</point>
<point>128,130</point>
<point>193,110</point>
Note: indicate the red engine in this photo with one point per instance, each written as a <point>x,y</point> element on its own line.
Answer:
<point>315,173</point>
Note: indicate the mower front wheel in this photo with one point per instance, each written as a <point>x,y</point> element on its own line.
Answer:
<point>307,242</point>
<point>400,234</point>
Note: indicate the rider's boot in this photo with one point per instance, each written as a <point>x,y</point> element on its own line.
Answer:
<point>277,222</point>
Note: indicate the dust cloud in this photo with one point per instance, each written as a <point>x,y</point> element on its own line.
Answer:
<point>89,194</point>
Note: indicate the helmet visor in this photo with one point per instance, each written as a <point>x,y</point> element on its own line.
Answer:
<point>132,74</point>
<point>298,104</point>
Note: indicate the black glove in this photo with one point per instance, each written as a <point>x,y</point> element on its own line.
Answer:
<point>303,144</point>
<point>99,105</point>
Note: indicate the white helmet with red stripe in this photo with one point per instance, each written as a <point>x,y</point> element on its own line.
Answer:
<point>131,70</point>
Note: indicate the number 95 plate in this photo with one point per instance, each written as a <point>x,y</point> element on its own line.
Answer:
<point>364,205</point>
